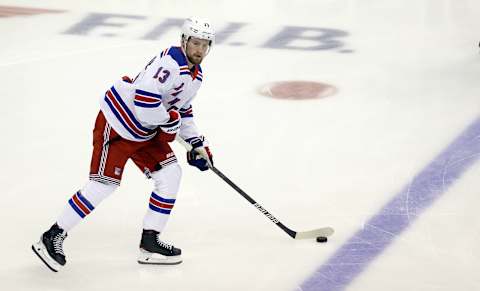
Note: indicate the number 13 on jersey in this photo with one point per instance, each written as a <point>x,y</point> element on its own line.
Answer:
<point>162,75</point>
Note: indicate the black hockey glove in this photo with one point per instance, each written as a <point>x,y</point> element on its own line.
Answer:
<point>200,155</point>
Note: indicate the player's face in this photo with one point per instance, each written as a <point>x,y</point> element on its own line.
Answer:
<point>196,49</point>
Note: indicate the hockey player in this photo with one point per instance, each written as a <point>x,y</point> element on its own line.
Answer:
<point>137,120</point>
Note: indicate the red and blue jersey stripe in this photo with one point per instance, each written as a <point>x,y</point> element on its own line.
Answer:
<point>199,76</point>
<point>197,73</point>
<point>81,205</point>
<point>147,99</point>
<point>184,70</point>
<point>160,204</point>
<point>125,116</point>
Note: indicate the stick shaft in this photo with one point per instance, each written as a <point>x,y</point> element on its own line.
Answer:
<point>253,202</point>
<point>259,207</point>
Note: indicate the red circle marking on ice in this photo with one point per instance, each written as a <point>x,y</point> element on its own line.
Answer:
<point>298,90</point>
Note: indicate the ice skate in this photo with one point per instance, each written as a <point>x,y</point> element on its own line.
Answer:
<point>50,248</point>
<point>156,252</point>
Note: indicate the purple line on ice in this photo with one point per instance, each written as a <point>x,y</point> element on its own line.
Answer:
<point>365,245</point>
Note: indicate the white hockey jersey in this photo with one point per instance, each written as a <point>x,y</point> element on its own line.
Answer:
<point>135,110</point>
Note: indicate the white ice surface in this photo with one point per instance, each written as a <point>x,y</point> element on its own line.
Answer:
<point>409,87</point>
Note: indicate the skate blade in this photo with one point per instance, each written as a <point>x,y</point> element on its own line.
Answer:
<point>148,258</point>
<point>40,250</point>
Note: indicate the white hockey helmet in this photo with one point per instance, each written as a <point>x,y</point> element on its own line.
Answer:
<point>198,28</point>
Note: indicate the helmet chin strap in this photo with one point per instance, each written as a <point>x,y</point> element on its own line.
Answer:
<point>183,42</point>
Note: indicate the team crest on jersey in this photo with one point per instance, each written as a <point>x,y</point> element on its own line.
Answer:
<point>177,90</point>
<point>179,87</point>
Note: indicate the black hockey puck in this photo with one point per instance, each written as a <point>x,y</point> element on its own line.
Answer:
<point>321,239</point>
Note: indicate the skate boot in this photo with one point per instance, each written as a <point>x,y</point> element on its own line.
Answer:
<point>50,248</point>
<point>154,251</point>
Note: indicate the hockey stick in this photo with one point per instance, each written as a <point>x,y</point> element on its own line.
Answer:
<point>319,232</point>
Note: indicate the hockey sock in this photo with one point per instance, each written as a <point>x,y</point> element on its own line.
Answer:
<point>162,199</point>
<point>158,212</point>
<point>83,203</point>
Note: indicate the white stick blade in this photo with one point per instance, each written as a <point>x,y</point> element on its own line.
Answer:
<point>324,231</point>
